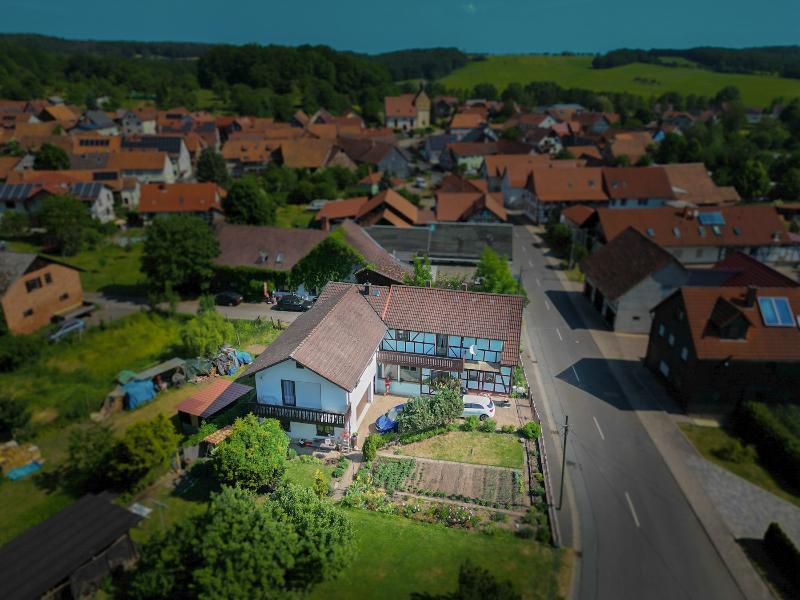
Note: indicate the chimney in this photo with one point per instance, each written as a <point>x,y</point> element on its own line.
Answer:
<point>262,257</point>
<point>367,288</point>
<point>750,296</point>
<point>776,236</point>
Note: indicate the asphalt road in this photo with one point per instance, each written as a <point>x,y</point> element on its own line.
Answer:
<point>637,534</point>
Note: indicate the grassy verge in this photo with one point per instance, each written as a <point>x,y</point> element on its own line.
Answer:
<point>475,447</point>
<point>710,440</point>
<point>642,79</point>
<point>397,556</point>
<point>294,215</point>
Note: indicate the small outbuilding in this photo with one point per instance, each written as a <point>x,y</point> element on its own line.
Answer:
<point>69,554</point>
<point>208,402</point>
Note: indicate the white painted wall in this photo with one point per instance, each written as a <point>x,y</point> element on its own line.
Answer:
<point>365,384</point>
<point>268,388</point>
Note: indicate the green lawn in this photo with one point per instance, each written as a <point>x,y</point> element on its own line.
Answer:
<point>475,447</point>
<point>107,268</point>
<point>709,439</point>
<point>294,215</point>
<point>303,473</point>
<point>642,79</point>
<point>396,556</point>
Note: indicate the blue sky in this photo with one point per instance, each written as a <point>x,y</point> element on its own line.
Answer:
<point>494,26</point>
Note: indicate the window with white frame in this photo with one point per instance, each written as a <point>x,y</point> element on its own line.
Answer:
<point>287,392</point>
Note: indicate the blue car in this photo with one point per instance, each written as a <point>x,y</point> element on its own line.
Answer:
<point>388,422</point>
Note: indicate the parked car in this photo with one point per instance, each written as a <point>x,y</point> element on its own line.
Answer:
<point>228,299</point>
<point>478,406</point>
<point>388,422</point>
<point>317,204</point>
<point>66,328</point>
<point>420,183</point>
<point>293,302</point>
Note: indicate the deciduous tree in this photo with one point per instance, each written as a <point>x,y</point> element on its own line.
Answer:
<point>67,222</point>
<point>50,158</point>
<point>211,167</point>
<point>254,455</point>
<point>247,203</point>
<point>333,259</point>
<point>179,250</point>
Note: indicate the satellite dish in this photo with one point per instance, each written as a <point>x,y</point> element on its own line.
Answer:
<point>472,350</point>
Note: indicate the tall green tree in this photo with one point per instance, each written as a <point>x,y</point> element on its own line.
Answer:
<point>211,167</point>
<point>179,250</point>
<point>144,448</point>
<point>67,222</point>
<point>493,274</point>
<point>751,180</point>
<point>14,414</point>
<point>475,583</point>
<point>253,456</point>
<point>421,276</point>
<point>247,203</point>
<point>234,550</point>
<point>50,158</point>
<point>331,260</point>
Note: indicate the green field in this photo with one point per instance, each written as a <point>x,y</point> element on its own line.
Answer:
<point>646,80</point>
<point>475,447</point>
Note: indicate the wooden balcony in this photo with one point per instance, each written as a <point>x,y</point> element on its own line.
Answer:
<point>424,361</point>
<point>297,414</point>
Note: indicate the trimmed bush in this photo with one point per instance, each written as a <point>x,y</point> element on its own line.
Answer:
<point>471,423</point>
<point>488,426</point>
<point>370,447</point>
<point>531,430</point>
<point>777,445</point>
<point>783,553</point>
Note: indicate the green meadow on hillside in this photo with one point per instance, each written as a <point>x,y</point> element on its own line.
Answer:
<point>643,79</point>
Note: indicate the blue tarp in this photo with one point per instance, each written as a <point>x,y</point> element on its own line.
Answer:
<point>138,393</point>
<point>244,357</point>
<point>24,470</point>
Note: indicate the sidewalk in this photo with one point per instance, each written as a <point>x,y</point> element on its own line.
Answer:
<point>659,414</point>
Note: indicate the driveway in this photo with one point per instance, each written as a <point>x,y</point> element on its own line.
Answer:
<point>113,308</point>
<point>636,533</point>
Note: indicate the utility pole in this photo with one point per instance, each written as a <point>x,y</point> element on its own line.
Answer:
<point>563,462</point>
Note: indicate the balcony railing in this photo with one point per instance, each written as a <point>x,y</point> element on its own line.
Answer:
<point>297,414</point>
<point>424,361</point>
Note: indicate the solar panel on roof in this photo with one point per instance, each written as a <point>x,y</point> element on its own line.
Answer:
<point>776,311</point>
<point>711,218</point>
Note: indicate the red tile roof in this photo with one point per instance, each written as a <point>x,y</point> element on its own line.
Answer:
<point>568,185</point>
<point>451,312</point>
<point>403,208</point>
<point>243,245</point>
<point>179,197</point>
<point>341,209</point>
<point>460,206</point>
<point>691,182</point>
<point>213,398</point>
<point>578,213</point>
<point>637,182</point>
<point>138,160</point>
<point>400,106</point>
<point>467,120</point>
<point>379,259</point>
<point>763,343</point>
<point>306,153</point>
<point>624,263</point>
<point>750,271</point>
<point>744,225</point>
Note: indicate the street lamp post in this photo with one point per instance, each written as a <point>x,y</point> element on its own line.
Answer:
<point>563,462</point>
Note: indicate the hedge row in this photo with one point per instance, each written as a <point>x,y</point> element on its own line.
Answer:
<point>783,553</point>
<point>777,445</point>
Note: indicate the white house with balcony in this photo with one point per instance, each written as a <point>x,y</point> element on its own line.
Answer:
<point>319,377</point>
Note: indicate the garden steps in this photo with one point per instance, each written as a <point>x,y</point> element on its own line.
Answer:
<point>355,460</point>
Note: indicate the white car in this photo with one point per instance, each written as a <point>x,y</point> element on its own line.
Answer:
<point>478,406</point>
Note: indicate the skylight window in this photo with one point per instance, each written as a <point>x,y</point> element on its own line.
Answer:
<point>676,232</point>
<point>702,231</point>
<point>716,230</point>
<point>737,231</point>
<point>711,218</point>
<point>650,232</point>
<point>776,311</point>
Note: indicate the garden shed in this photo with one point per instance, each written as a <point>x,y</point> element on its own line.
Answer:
<point>208,402</point>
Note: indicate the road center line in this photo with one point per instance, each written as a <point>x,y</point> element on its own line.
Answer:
<point>600,431</point>
<point>576,373</point>
<point>546,305</point>
<point>539,283</point>
<point>530,263</point>
<point>559,334</point>
<point>633,510</point>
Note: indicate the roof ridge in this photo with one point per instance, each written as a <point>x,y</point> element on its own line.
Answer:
<point>325,316</point>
